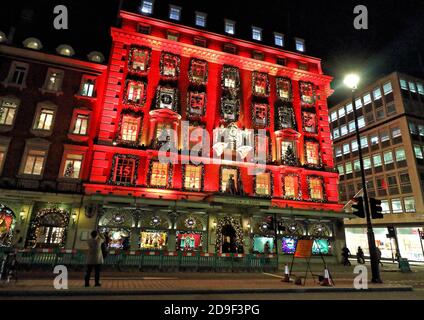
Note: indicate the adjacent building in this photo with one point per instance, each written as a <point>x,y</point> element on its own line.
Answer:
<point>391,124</point>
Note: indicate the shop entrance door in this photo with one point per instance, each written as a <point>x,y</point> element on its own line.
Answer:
<point>228,239</point>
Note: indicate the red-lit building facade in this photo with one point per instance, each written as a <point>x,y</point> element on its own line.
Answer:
<point>161,75</point>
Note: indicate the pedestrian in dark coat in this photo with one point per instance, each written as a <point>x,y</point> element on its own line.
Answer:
<point>94,258</point>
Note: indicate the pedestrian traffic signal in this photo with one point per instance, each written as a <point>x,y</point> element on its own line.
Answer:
<point>391,232</point>
<point>359,206</point>
<point>376,209</point>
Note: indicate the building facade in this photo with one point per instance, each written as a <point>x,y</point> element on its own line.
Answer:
<point>204,96</point>
<point>392,130</point>
<point>48,109</point>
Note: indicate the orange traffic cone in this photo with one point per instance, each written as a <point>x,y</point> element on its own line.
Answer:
<point>327,281</point>
<point>286,274</point>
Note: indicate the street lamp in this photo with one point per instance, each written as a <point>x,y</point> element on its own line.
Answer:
<point>351,81</point>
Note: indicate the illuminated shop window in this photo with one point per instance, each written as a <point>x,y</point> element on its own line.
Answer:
<point>309,122</point>
<point>260,84</point>
<point>73,165</point>
<point>285,146</point>
<point>226,173</point>
<point>316,188</point>
<point>124,169</point>
<point>284,89</point>
<point>130,128</point>
<point>88,85</point>
<point>159,174</point>
<point>193,177</point>
<point>135,92</point>
<point>312,152</point>
<point>8,110</point>
<point>139,59</point>
<point>307,92</point>
<point>34,162</point>
<point>198,73</point>
<point>170,65</point>
<point>263,184</point>
<point>291,185</point>
<point>81,124</point>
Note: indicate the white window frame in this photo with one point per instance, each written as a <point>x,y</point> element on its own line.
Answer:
<point>256,33</point>
<point>173,9</point>
<point>50,71</point>
<point>8,81</point>
<point>4,148</point>
<point>40,107</point>
<point>84,80</point>
<point>75,150</point>
<point>7,127</point>
<point>75,114</point>
<point>35,144</point>
<point>279,39</point>
<point>143,8</point>
<point>387,88</point>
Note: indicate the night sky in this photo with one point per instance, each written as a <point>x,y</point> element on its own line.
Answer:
<point>394,40</point>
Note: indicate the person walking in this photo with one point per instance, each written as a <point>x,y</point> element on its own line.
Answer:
<point>379,256</point>
<point>345,256</point>
<point>94,258</point>
<point>360,256</point>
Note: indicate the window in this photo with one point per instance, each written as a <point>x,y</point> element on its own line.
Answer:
<point>367,163</point>
<point>139,59</point>
<point>412,87</point>
<point>348,167</point>
<point>73,165</point>
<point>170,65</point>
<point>374,139</point>
<point>281,61</point>
<point>338,152</point>
<point>343,130</point>
<point>8,109</point>
<point>135,93</point>
<point>377,160</point>
<point>340,169</point>
<point>284,89</point>
<point>403,84</point>
<point>160,174</point>
<point>367,99</point>
<point>312,153</point>
<point>291,186</point>
<point>81,124</point>
<point>231,77</point>
<point>200,42</point>
<point>388,157</point>
<point>226,173</point>
<point>352,126</point>
<point>174,13</point>
<point>396,206</point>
<point>396,132</point>
<point>257,33</point>
<point>257,55</point>
<point>316,188</point>
<point>418,152</point>
<point>364,142</point>
<point>44,120</point>
<point>147,6</point>
<point>129,128</point>
<point>263,184</point>
<point>361,122</point>
<point>336,133</point>
<point>384,136</point>
<point>230,27</point>
<point>334,116</point>
<point>421,130</point>
<point>4,146</point>
<point>124,170</point>
<point>144,28</point>
<point>278,39</point>
<point>349,108</point>
<point>354,145</point>
<point>387,88</point>
<point>87,86</point>
<point>193,177</point>
<point>377,94</point>
<point>356,166</point>
<point>412,128</point>
<point>34,162</point>
<point>385,208</point>
<point>54,80</point>
<point>201,19</point>
<point>420,88</point>
<point>300,45</point>
<point>346,148</point>
<point>358,104</point>
<point>342,112</point>
<point>409,204</point>
<point>229,48</point>
<point>172,35</point>
<point>17,74</point>
<point>196,103</point>
<point>260,84</point>
<point>400,154</point>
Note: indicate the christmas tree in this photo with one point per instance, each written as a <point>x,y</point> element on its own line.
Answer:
<point>69,172</point>
<point>289,158</point>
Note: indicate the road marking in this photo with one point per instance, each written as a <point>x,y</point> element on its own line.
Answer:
<point>273,275</point>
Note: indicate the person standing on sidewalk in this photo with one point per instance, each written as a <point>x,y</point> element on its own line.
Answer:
<point>94,258</point>
<point>379,256</point>
<point>345,256</point>
<point>360,256</point>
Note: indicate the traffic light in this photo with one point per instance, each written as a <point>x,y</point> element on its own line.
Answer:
<point>376,209</point>
<point>391,232</point>
<point>359,206</point>
<point>270,222</point>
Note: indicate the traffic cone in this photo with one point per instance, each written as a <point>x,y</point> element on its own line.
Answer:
<point>327,281</point>
<point>286,274</point>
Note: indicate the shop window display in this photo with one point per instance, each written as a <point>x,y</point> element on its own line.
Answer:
<point>155,240</point>
<point>188,241</point>
<point>7,219</point>
<point>263,245</point>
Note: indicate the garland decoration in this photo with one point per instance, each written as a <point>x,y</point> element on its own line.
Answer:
<point>235,223</point>
<point>126,166</point>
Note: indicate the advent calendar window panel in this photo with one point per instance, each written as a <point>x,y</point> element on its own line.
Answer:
<point>307,93</point>
<point>261,146</point>
<point>312,153</point>
<point>230,109</point>
<point>193,177</point>
<point>139,59</point>
<point>169,65</point>
<point>196,104</point>
<point>230,78</point>
<point>260,114</point>
<point>226,173</point>
<point>198,73</point>
<point>130,128</point>
<point>284,116</point>
<point>309,122</point>
<point>291,185</point>
<point>135,93</point>
<point>263,184</point>
<point>284,89</point>
<point>260,84</point>
<point>124,170</point>
<point>166,98</point>
<point>159,174</point>
<point>316,188</point>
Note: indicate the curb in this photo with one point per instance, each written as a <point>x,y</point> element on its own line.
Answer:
<point>100,292</point>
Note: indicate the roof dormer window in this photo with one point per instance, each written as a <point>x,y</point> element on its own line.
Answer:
<point>201,19</point>
<point>256,33</point>
<point>33,43</point>
<point>230,27</point>
<point>278,39</point>
<point>300,45</point>
<point>95,56</point>
<point>147,7</point>
<point>174,13</point>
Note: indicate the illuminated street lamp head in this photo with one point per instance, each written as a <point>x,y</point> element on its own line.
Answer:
<point>351,81</point>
